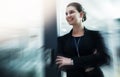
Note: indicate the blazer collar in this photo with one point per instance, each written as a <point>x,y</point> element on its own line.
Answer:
<point>85,29</point>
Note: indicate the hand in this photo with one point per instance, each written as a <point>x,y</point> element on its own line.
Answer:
<point>89,69</point>
<point>95,52</point>
<point>62,61</point>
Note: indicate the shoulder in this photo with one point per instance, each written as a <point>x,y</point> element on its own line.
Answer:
<point>94,33</point>
<point>60,38</point>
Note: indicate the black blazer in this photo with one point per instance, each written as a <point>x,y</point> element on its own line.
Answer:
<point>92,51</point>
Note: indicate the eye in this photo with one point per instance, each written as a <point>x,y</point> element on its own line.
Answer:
<point>66,13</point>
<point>71,11</point>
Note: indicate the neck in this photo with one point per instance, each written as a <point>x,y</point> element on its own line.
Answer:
<point>78,30</point>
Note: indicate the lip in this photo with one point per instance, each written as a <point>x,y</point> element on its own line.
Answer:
<point>70,19</point>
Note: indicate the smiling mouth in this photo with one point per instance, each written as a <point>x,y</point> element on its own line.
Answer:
<point>71,19</point>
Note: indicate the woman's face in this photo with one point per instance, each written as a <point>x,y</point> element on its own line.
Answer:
<point>73,17</point>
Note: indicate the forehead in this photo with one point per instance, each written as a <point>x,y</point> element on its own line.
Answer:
<point>69,8</point>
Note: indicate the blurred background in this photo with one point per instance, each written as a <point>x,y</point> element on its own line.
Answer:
<point>29,31</point>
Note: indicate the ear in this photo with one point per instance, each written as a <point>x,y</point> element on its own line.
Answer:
<point>81,14</point>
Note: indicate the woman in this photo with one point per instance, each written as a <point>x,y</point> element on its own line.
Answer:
<point>80,52</point>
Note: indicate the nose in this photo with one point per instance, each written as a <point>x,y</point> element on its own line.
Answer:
<point>68,15</point>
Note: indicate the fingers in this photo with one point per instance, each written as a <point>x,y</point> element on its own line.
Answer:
<point>62,61</point>
<point>60,57</point>
<point>59,61</point>
<point>95,52</point>
<point>89,69</point>
<point>61,65</point>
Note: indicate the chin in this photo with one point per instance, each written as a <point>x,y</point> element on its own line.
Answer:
<point>70,23</point>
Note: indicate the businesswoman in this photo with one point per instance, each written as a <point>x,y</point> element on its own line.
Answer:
<point>81,52</point>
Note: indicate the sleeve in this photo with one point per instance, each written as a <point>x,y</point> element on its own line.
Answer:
<point>60,46</point>
<point>60,50</point>
<point>94,60</point>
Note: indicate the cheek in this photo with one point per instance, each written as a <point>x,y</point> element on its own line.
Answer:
<point>66,18</point>
<point>78,17</point>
